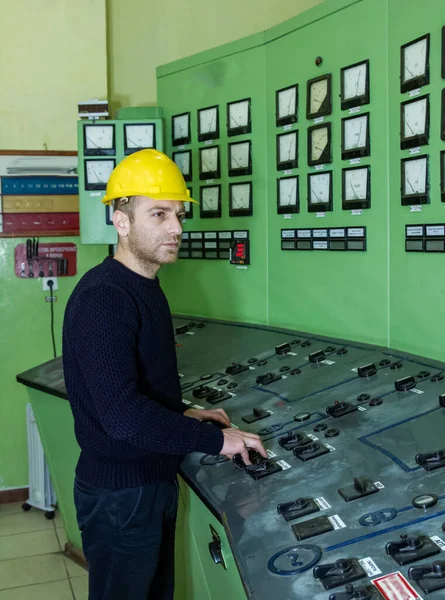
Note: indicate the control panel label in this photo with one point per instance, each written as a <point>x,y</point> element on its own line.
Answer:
<point>320,245</point>
<point>225,235</point>
<point>320,233</point>
<point>270,454</point>
<point>210,235</point>
<point>434,230</point>
<point>242,235</point>
<point>186,401</point>
<point>283,464</point>
<point>185,236</point>
<point>329,447</point>
<point>416,391</point>
<point>196,235</point>
<point>304,233</point>
<point>336,522</point>
<point>322,503</point>
<point>395,587</point>
<point>369,566</point>
<point>356,232</point>
<point>439,541</point>
<point>288,233</point>
<point>328,362</point>
<point>415,231</point>
<point>336,233</point>
<point>320,214</point>
<point>198,407</point>
<point>379,485</point>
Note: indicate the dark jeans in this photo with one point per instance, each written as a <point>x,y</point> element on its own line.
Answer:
<point>128,540</point>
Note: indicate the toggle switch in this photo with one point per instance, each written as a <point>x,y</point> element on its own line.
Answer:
<point>257,415</point>
<point>411,548</point>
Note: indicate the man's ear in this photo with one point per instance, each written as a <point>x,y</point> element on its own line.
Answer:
<point>121,223</point>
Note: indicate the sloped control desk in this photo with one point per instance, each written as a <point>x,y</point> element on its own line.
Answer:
<point>351,501</point>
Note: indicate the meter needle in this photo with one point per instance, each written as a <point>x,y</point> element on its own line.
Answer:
<point>353,191</point>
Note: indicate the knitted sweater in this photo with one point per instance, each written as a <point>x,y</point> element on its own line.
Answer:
<point>122,381</point>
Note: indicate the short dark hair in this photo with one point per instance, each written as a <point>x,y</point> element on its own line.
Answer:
<point>126,204</point>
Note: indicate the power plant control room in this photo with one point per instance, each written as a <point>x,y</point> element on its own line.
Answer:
<point>222,256</point>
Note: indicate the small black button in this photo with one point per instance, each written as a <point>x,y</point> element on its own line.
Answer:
<point>363,397</point>
<point>375,402</point>
<point>331,433</point>
<point>320,427</point>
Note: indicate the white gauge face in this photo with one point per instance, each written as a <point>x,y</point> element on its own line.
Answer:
<point>182,159</point>
<point>320,186</point>
<point>187,207</point>
<point>414,118</point>
<point>415,60</point>
<point>355,132</point>
<point>181,126</point>
<point>415,176</point>
<point>208,119</point>
<point>209,160</point>
<point>318,93</point>
<point>288,191</point>
<point>287,147</point>
<point>139,136</point>
<point>239,114</point>
<point>356,184</point>
<point>99,137</point>
<point>355,81</point>
<point>210,199</point>
<point>98,171</point>
<point>239,155</point>
<point>240,196</point>
<point>319,141</point>
<point>287,102</point>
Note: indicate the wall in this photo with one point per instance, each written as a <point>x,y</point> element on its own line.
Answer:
<point>143,35</point>
<point>56,57</point>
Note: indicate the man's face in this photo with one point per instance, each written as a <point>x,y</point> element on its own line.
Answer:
<point>155,233</point>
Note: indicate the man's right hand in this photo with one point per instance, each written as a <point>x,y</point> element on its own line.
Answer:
<point>238,442</point>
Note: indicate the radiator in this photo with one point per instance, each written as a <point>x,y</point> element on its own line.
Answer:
<point>41,491</point>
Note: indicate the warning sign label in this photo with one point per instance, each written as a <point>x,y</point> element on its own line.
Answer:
<point>395,587</point>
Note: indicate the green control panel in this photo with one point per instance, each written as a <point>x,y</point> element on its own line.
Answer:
<point>102,145</point>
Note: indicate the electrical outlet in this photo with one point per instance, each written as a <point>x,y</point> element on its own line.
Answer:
<point>46,287</point>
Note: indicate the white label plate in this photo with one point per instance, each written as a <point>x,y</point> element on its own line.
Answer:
<point>322,503</point>
<point>336,522</point>
<point>439,541</point>
<point>288,233</point>
<point>320,214</point>
<point>369,566</point>
<point>283,464</point>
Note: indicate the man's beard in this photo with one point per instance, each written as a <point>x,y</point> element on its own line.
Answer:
<point>145,254</point>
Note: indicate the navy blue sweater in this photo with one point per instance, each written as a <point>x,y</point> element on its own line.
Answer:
<point>122,381</point>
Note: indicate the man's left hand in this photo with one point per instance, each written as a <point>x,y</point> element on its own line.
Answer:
<point>217,414</point>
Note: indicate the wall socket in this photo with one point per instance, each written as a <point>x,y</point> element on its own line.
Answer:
<point>45,283</point>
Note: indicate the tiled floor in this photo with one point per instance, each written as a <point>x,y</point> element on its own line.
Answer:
<point>32,565</point>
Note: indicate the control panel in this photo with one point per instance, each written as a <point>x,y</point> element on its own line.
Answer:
<point>349,502</point>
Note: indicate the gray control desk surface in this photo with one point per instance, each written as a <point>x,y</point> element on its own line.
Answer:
<point>376,442</point>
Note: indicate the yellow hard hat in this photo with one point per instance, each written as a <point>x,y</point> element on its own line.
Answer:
<point>147,173</point>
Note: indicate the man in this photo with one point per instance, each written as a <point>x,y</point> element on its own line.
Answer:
<point>123,386</point>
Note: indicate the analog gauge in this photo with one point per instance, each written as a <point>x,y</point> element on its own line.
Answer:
<point>319,97</point>
<point>240,161</point>
<point>355,85</point>
<point>356,188</point>
<point>184,162</point>
<point>425,501</point>
<point>415,64</point>
<point>320,191</point>
<point>99,140</point>
<point>415,180</point>
<point>287,150</point>
<point>238,117</point>
<point>286,102</point>
<point>415,122</point>
<point>319,144</point>
<point>97,173</point>
<point>355,136</point>
<point>209,163</point>
<point>240,202</point>
<point>139,136</point>
<point>287,195</point>
<point>181,129</point>
<point>211,201</point>
<point>208,123</point>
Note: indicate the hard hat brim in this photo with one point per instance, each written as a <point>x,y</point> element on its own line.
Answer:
<point>162,196</point>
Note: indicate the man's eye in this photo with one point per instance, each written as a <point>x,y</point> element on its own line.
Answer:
<point>181,217</point>
<point>158,214</point>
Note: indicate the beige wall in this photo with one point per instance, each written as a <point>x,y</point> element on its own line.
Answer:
<point>53,55</point>
<point>143,34</point>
